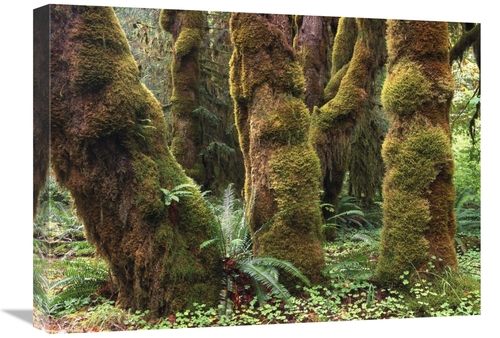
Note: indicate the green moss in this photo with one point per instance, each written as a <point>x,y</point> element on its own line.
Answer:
<point>419,220</point>
<point>406,90</point>
<point>415,160</point>
<point>344,43</point>
<point>189,39</point>
<point>109,149</point>
<point>278,67</point>
<point>282,183</point>
<point>148,198</point>
<point>188,31</point>
<point>98,39</point>
<point>286,121</point>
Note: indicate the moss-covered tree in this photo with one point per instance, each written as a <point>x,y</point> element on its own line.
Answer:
<point>358,56</point>
<point>419,220</point>
<point>108,148</point>
<point>282,169</point>
<point>188,29</point>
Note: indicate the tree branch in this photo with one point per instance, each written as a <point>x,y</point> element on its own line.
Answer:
<point>466,41</point>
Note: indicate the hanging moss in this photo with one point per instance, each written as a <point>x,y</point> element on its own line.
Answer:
<point>333,124</point>
<point>419,221</point>
<point>109,150</point>
<point>282,181</point>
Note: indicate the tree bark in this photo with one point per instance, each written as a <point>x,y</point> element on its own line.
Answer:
<point>282,169</point>
<point>311,44</point>
<point>108,148</point>
<point>419,220</point>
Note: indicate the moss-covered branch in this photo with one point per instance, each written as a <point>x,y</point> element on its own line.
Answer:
<point>334,123</point>
<point>467,40</point>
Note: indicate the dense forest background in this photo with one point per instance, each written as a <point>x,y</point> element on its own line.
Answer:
<point>14,192</point>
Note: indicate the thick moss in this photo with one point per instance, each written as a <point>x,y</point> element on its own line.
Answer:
<point>109,150</point>
<point>343,48</point>
<point>282,181</point>
<point>419,220</point>
<point>406,90</point>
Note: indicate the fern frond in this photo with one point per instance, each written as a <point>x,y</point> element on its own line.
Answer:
<point>282,264</point>
<point>265,276</point>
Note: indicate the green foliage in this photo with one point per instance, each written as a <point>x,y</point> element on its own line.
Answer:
<point>81,280</point>
<point>349,214</point>
<point>56,207</point>
<point>241,268</point>
<point>41,286</point>
<point>177,192</point>
<point>467,211</point>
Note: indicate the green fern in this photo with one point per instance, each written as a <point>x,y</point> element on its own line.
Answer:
<point>467,211</point>
<point>231,236</point>
<point>40,286</point>
<point>81,280</point>
<point>177,192</point>
<point>349,214</point>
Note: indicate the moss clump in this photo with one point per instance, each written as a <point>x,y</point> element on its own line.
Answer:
<point>407,89</point>
<point>419,221</point>
<point>109,150</point>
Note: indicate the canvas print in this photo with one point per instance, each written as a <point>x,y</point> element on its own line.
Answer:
<point>208,169</point>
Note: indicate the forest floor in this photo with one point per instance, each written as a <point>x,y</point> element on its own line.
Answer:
<point>349,292</point>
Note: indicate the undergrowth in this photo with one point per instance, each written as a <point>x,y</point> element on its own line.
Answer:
<point>73,290</point>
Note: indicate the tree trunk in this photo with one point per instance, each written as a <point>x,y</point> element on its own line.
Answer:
<point>188,29</point>
<point>351,89</point>
<point>419,220</point>
<point>282,169</point>
<point>108,147</point>
<point>311,44</point>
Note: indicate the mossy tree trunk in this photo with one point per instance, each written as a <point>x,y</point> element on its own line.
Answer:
<point>419,220</point>
<point>188,29</point>
<point>282,169</point>
<point>358,56</point>
<point>108,148</point>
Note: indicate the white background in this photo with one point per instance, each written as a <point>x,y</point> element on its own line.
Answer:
<point>16,166</point>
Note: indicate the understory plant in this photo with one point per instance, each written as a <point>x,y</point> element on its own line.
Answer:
<point>348,215</point>
<point>245,276</point>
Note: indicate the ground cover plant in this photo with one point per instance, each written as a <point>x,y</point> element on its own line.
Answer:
<point>81,297</point>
